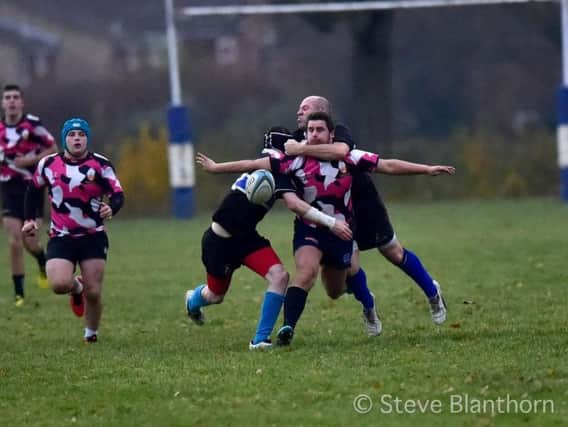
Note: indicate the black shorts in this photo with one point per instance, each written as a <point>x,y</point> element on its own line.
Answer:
<point>372,225</point>
<point>336,252</point>
<point>13,193</point>
<point>221,256</point>
<point>77,249</point>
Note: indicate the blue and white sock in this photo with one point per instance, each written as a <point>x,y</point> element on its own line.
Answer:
<point>357,284</point>
<point>412,266</point>
<point>268,315</point>
<point>197,301</point>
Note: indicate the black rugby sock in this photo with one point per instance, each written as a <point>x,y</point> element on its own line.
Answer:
<point>18,280</point>
<point>294,305</point>
<point>40,258</point>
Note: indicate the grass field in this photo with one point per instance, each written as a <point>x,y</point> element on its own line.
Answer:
<point>502,266</point>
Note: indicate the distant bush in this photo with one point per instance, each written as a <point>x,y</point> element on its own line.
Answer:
<point>488,165</point>
<point>143,172</point>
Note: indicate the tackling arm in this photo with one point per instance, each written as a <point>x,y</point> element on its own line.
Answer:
<point>335,151</point>
<point>211,166</point>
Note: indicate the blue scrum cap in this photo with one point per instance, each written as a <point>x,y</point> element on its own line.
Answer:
<point>73,124</point>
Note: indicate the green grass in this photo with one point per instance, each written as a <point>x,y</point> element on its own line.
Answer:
<point>502,266</point>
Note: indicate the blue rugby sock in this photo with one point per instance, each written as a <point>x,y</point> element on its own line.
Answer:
<point>358,286</point>
<point>197,301</point>
<point>412,266</point>
<point>268,315</point>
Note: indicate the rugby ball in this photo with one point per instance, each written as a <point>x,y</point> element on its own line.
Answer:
<point>259,187</point>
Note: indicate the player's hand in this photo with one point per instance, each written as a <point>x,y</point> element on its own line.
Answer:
<point>438,170</point>
<point>30,227</point>
<point>341,229</point>
<point>105,211</point>
<point>293,148</point>
<point>206,163</point>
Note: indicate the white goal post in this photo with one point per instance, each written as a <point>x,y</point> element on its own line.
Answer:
<point>270,9</point>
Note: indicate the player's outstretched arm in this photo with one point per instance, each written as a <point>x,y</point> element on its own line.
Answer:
<point>211,166</point>
<point>335,151</point>
<point>402,167</point>
<point>301,208</point>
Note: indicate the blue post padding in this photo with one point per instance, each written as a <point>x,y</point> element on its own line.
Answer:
<point>179,128</point>
<point>183,202</point>
<point>562,106</point>
<point>179,125</point>
<point>564,184</point>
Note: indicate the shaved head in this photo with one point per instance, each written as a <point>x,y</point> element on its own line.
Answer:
<point>309,105</point>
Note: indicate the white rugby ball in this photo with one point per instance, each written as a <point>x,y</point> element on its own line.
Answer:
<point>259,187</point>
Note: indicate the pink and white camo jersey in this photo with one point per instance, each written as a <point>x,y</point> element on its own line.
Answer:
<point>28,137</point>
<point>326,185</point>
<point>76,190</point>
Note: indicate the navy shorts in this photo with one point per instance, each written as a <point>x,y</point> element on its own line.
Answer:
<point>13,193</point>
<point>372,225</point>
<point>336,252</point>
<point>77,249</point>
<point>221,256</point>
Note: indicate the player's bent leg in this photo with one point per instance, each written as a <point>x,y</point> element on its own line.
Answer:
<point>393,251</point>
<point>408,262</point>
<point>203,295</point>
<point>92,274</point>
<point>60,275</point>
<point>272,302</point>
<point>334,281</point>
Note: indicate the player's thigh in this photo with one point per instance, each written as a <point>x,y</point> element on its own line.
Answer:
<point>13,203</point>
<point>219,255</point>
<point>60,273</point>
<point>13,227</point>
<point>258,255</point>
<point>93,250</point>
<point>307,259</point>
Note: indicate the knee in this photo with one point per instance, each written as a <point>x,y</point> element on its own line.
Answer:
<point>31,243</point>
<point>278,278</point>
<point>15,241</point>
<point>93,295</point>
<point>60,285</point>
<point>211,297</point>
<point>394,253</point>
<point>335,293</point>
<point>353,270</point>
<point>306,276</point>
